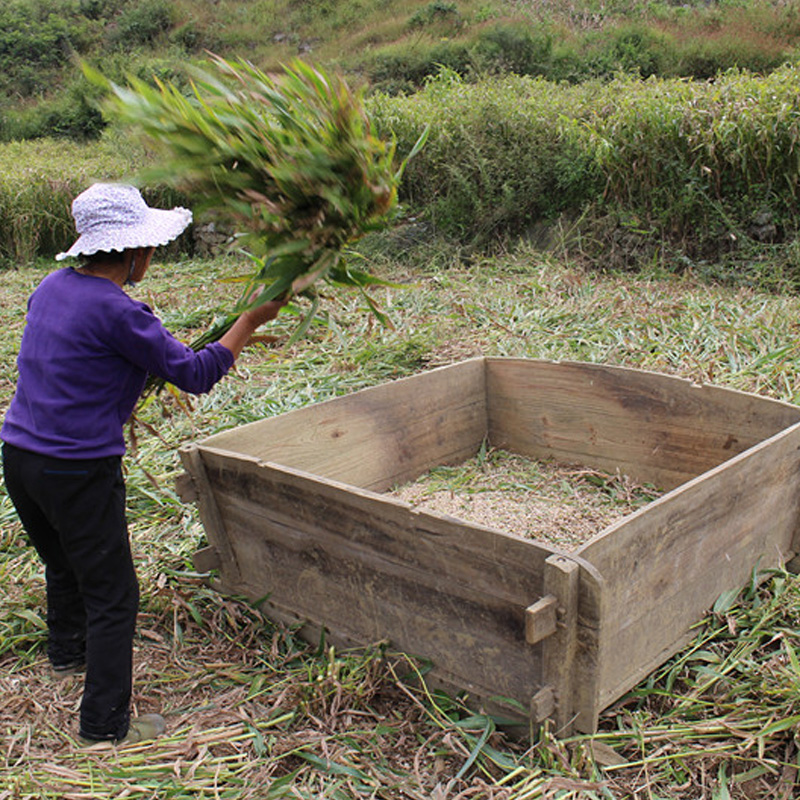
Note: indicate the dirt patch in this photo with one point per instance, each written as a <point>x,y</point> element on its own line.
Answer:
<point>563,505</point>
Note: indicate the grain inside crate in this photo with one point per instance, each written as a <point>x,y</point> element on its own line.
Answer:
<point>296,510</point>
<point>562,504</point>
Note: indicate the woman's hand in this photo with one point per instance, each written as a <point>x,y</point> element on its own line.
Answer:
<point>265,312</point>
<point>244,327</point>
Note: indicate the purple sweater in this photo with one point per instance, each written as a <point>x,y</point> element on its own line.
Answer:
<point>86,351</point>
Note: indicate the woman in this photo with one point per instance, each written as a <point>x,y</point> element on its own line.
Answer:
<point>86,351</point>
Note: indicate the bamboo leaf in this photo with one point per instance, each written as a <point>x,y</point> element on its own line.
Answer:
<point>302,328</point>
<point>726,601</point>
<point>781,725</point>
<point>476,750</point>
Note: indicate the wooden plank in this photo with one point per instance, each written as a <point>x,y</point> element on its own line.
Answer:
<point>185,489</point>
<point>206,559</point>
<point>665,565</point>
<point>561,580</point>
<point>793,565</point>
<point>377,437</point>
<point>655,428</point>
<point>210,515</point>
<point>590,636</point>
<point>543,704</point>
<point>541,619</point>
<point>371,568</point>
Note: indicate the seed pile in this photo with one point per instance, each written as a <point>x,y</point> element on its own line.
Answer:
<point>562,505</point>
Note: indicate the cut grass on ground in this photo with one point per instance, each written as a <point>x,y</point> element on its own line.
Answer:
<point>254,713</point>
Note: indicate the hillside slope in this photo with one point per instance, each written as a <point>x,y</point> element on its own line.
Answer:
<point>391,44</point>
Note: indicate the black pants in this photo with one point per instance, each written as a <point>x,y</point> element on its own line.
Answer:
<point>74,514</point>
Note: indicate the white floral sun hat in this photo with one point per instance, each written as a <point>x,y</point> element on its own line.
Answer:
<point>114,216</point>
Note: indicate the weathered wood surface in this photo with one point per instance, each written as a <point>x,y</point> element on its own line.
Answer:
<point>378,437</point>
<point>561,580</point>
<point>370,568</point>
<point>216,530</point>
<point>541,619</point>
<point>665,565</point>
<point>654,428</point>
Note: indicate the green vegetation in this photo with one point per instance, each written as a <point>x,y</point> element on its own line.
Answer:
<point>689,175</point>
<point>567,151</point>
<point>248,704</point>
<point>692,174</point>
<point>39,179</point>
<point>392,45</point>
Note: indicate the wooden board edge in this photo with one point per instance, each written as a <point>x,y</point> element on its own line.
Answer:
<point>590,366</point>
<point>218,440</point>
<point>213,523</point>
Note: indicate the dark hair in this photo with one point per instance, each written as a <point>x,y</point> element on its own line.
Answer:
<point>103,257</point>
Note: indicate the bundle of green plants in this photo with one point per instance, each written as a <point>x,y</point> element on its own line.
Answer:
<point>288,161</point>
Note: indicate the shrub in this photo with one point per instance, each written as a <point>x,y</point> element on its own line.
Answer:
<point>69,115</point>
<point>704,57</point>
<point>189,37</point>
<point>438,10</point>
<point>397,69</point>
<point>631,47</point>
<point>501,155</point>
<point>30,37</point>
<point>143,22</point>
<point>100,9</point>
<point>513,48</point>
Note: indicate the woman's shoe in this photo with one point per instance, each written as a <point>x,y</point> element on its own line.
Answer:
<point>141,729</point>
<point>61,671</point>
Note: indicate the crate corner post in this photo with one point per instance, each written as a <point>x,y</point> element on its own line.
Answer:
<point>219,554</point>
<point>553,622</point>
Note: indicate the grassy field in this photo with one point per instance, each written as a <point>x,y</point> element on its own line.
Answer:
<point>253,712</point>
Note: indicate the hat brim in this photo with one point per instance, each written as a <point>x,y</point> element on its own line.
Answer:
<point>158,227</point>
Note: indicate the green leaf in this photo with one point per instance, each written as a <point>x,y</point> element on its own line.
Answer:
<point>781,725</point>
<point>476,750</point>
<point>301,330</point>
<point>726,601</point>
<point>331,767</point>
<point>32,617</point>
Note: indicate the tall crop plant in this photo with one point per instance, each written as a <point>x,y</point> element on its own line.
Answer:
<point>688,153</point>
<point>692,163</point>
<point>290,161</point>
<point>37,183</point>
<point>501,155</point>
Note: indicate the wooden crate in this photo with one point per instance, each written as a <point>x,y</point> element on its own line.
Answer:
<point>294,511</point>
